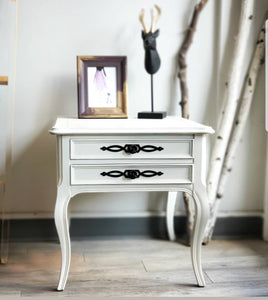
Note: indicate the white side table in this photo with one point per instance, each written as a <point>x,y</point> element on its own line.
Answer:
<point>129,155</point>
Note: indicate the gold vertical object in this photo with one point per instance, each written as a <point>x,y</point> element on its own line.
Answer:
<point>3,80</point>
<point>5,224</point>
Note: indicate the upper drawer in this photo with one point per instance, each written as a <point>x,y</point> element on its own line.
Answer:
<point>166,147</point>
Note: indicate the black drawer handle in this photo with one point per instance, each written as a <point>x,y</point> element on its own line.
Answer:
<point>132,148</point>
<point>132,174</point>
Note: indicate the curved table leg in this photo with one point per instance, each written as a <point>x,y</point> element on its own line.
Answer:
<point>201,217</point>
<point>62,225</point>
<point>170,211</point>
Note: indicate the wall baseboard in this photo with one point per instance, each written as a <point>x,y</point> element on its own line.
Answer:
<point>122,214</point>
<point>153,226</point>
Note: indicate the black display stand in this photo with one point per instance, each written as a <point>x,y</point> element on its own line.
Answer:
<point>152,114</point>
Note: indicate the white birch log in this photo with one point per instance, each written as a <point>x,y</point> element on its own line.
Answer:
<point>246,101</point>
<point>229,108</point>
<point>240,120</point>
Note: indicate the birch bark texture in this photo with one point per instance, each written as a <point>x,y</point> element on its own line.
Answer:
<point>228,111</point>
<point>244,109</point>
<point>241,118</point>
<point>182,75</point>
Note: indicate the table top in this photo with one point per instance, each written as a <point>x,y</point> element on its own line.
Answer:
<point>71,126</point>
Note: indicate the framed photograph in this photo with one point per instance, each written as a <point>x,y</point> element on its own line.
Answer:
<point>102,86</point>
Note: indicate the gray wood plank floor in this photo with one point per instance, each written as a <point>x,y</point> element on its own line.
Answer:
<point>136,267</point>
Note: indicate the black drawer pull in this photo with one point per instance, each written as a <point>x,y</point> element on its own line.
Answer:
<point>132,148</point>
<point>132,174</point>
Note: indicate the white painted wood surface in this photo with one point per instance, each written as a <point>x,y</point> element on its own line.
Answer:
<point>93,173</point>
<point>69,126</point>
<point>171,204</point>
<point>180,173</point>
<point>89,148</point>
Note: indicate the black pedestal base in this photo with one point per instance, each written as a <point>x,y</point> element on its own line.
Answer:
<point>152,115</point>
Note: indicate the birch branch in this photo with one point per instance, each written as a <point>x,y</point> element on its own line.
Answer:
<point>241,118</point>
<point>182,74</point>
<point>229,109</point>
<point>185,99</point>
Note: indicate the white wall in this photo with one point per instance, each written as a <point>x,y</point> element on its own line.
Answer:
<point>50,36</point>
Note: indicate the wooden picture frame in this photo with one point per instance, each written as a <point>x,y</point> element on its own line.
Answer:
<point>102,86</point>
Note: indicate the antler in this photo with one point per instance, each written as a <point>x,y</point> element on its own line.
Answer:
<point>155,18</point>
<point>142,21</point>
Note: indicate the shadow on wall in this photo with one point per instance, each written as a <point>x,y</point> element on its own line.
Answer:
<point>31,185</point>
<point>117,205</point>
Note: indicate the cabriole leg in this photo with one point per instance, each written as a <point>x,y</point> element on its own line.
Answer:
<point>62,225</point>
<point>201,217</point>
<point>171,203</point>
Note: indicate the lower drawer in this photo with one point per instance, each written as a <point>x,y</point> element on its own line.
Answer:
<point>129,174</point>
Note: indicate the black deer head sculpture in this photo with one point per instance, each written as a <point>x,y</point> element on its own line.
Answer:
<point>152,59</point>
